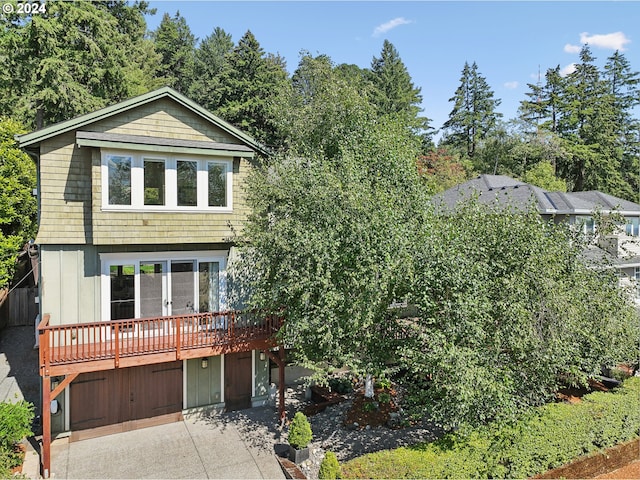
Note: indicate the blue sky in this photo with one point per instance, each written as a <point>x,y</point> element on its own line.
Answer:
<point>510,41</point>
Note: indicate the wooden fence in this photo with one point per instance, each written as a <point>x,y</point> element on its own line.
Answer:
<point>20,308</point>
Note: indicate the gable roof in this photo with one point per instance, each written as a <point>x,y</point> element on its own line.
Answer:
<point>508,193</point>
<point>45,133</point>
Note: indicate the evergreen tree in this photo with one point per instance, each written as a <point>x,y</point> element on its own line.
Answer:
<point>175,42</point>
<point>623,85</point>
<point>75,58</point>
<point>394,92</point>
<point>541,110</point>
<point>473,116</point>
<point>587,124</point>
<point>210,58</point>
<point>249,82</point>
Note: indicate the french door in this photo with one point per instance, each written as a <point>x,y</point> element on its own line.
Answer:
<point>162,285</point>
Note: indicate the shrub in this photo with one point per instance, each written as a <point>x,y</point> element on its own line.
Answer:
<point>300,431</point>
<point>384,397</point>
<point>340,385</point>
<point>15,424</point>
<point>329,468</point>
<point>547,437</point>
<point>383,382</point>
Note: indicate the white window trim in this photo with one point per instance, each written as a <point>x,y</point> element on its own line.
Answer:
<point>171,182</point>
<point>109,259</point>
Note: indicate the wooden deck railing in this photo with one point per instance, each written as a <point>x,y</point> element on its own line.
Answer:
<point>109,344</point>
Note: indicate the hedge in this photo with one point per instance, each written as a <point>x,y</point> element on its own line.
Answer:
<point>15,424</point>
<point>548,437</point>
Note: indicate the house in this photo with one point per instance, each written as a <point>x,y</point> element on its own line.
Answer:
<point>619,249</point>
<point>139,205</point>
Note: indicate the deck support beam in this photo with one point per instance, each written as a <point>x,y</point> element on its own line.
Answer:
<point>46,426</point>
<point>48,396</point>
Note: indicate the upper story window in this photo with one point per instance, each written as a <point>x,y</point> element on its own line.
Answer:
<point>139,182</point>
<point>119,168</point>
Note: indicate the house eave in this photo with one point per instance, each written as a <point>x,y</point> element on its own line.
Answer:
<point>33,138</point>
<point>165,145</point>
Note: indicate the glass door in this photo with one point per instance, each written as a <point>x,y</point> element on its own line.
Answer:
<point>153,294</point>
<point>182,287</point>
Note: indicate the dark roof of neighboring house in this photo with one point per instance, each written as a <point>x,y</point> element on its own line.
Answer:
<point>507,193</point>
<point>598,256</point>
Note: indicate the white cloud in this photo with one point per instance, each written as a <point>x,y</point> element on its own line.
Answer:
<point>390,25</point>
<point>568,69</point>
<point>611,41</point>
<point>511,85</point>
<point>572,48</point>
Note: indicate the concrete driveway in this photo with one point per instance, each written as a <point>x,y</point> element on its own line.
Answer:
<point>205,447</point>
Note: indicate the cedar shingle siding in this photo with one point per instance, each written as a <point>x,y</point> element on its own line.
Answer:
<point>70,185</point>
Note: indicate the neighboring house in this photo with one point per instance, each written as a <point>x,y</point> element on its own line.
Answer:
<point>139,203</point>
<point>620,249</point>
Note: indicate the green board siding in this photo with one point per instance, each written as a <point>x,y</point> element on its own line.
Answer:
<point>70,283</point>
<point>204,385</point>
<point>262,376</point>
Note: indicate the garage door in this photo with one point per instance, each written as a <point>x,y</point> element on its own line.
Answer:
<point>121,395</point>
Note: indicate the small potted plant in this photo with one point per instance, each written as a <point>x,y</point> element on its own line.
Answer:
<point>299,437</point>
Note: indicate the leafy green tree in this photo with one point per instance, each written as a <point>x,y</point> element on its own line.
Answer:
<point>73,59</point>
<point>174,41</point>
<point>356,76</point>
<point>508,312</point>
<point>542,175</point>
<point>329,236</point>
<point>474,113</point>
<point>249,82</point>
<point>320,110</point>
<point>210,59</point>
<point>17,204</point>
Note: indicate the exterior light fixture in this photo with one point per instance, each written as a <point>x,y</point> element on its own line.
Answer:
<point>263,357</point>
<point>204,363</point>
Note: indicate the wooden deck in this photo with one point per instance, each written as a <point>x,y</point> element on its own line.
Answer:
<point>89,347</point>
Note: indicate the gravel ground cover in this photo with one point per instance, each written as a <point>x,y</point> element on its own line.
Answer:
<point>261,430</point>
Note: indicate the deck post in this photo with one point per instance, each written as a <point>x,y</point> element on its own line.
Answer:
<point>46,426</point>
<point>281,406</point>
<point>279,360</point>
<point>116,332</point>
<point>178,329</point>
